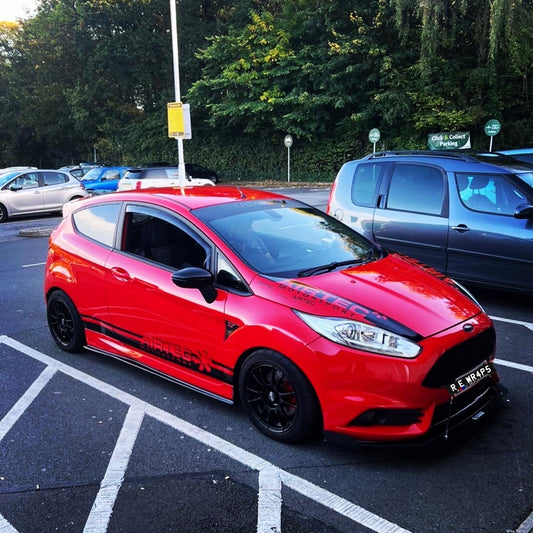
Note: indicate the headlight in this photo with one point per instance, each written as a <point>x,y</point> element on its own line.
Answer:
<point>361,336</point>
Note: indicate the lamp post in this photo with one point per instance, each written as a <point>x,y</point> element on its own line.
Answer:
<point>177,92</point>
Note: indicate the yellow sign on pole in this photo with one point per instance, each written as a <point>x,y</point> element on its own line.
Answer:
<point>176,122</point>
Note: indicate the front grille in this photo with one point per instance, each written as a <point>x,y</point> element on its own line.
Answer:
<point>461,359</point>
<point>467,403</point>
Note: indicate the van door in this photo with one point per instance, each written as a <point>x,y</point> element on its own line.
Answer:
<point>411,216</point>
<point>487,244</point>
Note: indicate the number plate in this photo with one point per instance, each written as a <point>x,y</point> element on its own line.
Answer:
<point>469,380</point>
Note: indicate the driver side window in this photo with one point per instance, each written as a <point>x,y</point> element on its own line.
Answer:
<point>158,239</point>
<point>26,181</point>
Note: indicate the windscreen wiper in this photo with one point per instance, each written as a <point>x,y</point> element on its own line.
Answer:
<point>327,268</point>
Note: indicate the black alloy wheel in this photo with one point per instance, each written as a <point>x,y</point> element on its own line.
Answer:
<point>277,397</point>
<point>65,322</point>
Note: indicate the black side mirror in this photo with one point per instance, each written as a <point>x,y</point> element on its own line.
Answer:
<point>196,278</point>
<point>524,211</point>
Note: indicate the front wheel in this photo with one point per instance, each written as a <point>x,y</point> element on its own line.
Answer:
<point>277,397</point>
<point>3,213</point>
<point>65,322</point>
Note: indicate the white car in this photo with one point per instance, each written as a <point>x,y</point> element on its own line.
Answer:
<point>24,192</point>
<point>144,178</point>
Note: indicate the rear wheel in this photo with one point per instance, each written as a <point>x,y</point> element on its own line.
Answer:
<point>277,397</point>
<point>65,322</point>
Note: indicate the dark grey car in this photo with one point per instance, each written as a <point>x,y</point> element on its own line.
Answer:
<point>469,219</point>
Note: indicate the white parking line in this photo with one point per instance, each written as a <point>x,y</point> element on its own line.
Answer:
<point>517,366</point>
<point>25,401</point>
<point>116,469</point>
<point>269,504</point>
<point>33,265</point>
<point>528,325</point>
<point>5,526</point>
<point>267,471</point>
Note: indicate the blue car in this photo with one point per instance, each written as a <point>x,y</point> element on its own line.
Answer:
<point>521,154</point>
<point>467,218</point>
<point>102,179</point>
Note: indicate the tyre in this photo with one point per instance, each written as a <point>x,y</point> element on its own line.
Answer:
<point>277,397</point>
<point>3,214</point>
<point>65,322</point>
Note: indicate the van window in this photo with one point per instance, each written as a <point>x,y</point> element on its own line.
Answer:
<point>489,193</point>
<point>365,183</point>
<point>417,188</point>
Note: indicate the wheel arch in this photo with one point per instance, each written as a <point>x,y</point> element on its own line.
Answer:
<point>250,351</point>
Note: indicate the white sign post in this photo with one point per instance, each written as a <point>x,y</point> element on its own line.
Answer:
<point>287,141</point>
<point>374,136</point>
<point>177,92</point>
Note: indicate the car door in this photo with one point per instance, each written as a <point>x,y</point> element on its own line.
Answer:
<point>54,190</point>
<point>411,216</point>
<point>171,329</point>
<point>487,244</point>
<point>24,194</point>
<point>109,179</point>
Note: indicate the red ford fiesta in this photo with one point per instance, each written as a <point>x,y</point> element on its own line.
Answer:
<point>250,296</point>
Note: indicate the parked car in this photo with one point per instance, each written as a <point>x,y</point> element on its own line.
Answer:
<point>257,298</point>
<point>143,178</point>
<point>521,154</point>
<point>78,171</point>
<point>198,171</point>
<point>191,169</point>
<point>469,219</point>
<point>13,169</point>
<point>36,191</point>
<point>100,180</point>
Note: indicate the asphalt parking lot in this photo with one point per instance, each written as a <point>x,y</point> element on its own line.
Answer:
<point>90,444</point>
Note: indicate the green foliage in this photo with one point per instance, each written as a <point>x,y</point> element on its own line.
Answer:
<point>95,75</point>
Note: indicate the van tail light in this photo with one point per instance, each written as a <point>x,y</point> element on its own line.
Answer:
<point>332,192</point>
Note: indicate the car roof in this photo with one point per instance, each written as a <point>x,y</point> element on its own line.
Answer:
<point>186,197</point>
<point>456,161</point>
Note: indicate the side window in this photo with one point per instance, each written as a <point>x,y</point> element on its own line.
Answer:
<point>26,181</point>
<point>365,183</point>
<point>417,188</point>
<point>155,174</point>
<point>98,222</point>
<point>54,178</point>
<point>111,175</point>
<point>228,277</point>
<point>489,193</point>
<point>158,239</point>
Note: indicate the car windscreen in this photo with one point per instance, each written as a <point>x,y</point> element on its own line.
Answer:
<point>91,175</point>
<point>4,178</point>
<point>287,239</point>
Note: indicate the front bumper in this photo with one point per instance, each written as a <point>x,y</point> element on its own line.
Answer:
<point>449,419</point>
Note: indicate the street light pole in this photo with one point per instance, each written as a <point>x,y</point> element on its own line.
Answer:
<point>177,92</point>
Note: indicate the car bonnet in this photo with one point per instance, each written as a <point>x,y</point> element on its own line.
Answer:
<point>391,293</point>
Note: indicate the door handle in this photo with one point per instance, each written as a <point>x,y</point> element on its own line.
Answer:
<point>461,228</point>
<point>120,274</point>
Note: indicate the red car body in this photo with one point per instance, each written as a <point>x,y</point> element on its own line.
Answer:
<point>206,335</point>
